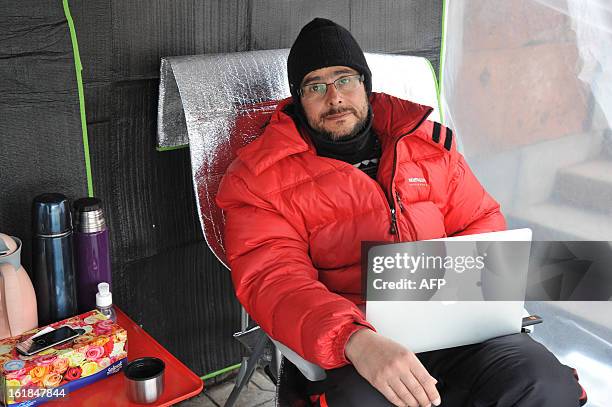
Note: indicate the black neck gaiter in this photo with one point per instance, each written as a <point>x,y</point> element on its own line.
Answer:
<point>361,150</point>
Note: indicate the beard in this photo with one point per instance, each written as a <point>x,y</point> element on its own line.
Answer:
<point>357,128</point>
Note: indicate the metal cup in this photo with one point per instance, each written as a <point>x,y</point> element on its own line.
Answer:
<point>145,379</point>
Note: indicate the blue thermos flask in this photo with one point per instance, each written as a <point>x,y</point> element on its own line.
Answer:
<point>52,263</point>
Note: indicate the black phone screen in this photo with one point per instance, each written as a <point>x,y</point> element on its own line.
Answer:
<point>52,338</point>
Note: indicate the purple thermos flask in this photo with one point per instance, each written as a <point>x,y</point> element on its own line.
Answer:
<point>91,250</point>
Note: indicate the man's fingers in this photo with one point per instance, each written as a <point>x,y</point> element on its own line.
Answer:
<point>432,391</point>
<point>427,382</point>
<point>405,394</point>
<point>391,395</point>
<point>415,388</point>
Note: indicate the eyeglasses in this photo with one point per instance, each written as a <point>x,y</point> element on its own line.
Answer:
<point>344,85</point>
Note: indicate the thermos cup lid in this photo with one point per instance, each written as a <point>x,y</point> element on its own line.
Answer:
<point>145,379</point>
<point>88,216</point>
<point>51,215</point>
<point>87,204</point>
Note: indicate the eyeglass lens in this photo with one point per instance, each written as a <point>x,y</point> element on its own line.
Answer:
<point>344,85</point>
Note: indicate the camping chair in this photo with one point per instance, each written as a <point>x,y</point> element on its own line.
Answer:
<point>217,103</point>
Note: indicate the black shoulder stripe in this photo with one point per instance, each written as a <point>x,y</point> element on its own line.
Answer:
<point>436,132</point>
<point>449,139</point>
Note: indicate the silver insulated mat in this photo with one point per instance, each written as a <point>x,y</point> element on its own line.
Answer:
<point>216,104</point>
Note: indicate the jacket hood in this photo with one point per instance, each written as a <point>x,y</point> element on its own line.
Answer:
<point>391,118</point>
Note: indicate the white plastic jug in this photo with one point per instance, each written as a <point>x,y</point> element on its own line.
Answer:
<point>18,312</point>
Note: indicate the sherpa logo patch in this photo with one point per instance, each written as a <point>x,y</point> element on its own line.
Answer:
<point>418,181</point>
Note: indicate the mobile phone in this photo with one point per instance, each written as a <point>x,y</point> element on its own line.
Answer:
<point>57,336</point>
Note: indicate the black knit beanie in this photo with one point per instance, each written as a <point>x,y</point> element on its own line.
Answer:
<point>322,43</point>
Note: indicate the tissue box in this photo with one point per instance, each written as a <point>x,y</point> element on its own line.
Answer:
<point>55,372</point>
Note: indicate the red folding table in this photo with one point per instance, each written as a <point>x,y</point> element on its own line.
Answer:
<point>180,382</point>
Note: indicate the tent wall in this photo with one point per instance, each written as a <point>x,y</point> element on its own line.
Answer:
<point>526,86</point>
<point>41,146</point>
<point>164,276</point>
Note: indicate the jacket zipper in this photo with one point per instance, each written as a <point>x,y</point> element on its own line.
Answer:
<point>394,229</point>
<point>399,200</point>
<point>401,206</point>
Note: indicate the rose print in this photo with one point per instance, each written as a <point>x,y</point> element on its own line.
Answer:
<point>39,372</point>
<point>90,368</point>
<point>86,338</point>
<point>91,320</point>
<point>5,358</point>
<point>73,373</point>
<point>63,352</point>
<point>13,383</point>
<point>49,351</point>
<point>121,336</point>
<point>6,341</point>
<point>108,347</point>
<point>17,374</point>
<point>26,358</point>
<point>81,348</point>
<point>45,360</point>
<point>60,365</point>
<point>25,380</point>
<point>117,349</point>
<point>104,363</point>
<point>5,349</point>
<point>101,341</point>
<point>72,322</point>
<point>94,352</point>
<point>75,359</point>
<point>52,380</point>
<point>101,317</point>
<point>107,323</point>
<point>100,329</point>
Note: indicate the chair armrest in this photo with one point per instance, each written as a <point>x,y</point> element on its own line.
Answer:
<point>312,372</point>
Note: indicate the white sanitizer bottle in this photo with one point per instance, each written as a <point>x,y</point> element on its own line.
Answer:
<point>104,301</point>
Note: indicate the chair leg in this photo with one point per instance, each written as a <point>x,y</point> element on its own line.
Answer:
<point>273,368</point>
<point>251,364</point>
<point>242,370</point>
<point>277,359</point>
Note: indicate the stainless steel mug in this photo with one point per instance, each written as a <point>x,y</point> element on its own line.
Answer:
<point>145,379</point>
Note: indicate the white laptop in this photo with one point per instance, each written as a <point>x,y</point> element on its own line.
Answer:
<point>431,325</point>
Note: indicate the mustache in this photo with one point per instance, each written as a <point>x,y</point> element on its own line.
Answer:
<point>338,110</point>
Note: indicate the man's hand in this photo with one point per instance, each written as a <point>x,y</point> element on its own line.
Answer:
<point>392,369</point>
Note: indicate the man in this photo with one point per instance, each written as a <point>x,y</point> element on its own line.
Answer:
<point>338,165</point>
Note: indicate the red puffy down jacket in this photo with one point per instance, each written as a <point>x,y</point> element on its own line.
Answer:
<point>295,221</point>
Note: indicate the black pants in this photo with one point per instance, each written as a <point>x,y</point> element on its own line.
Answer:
<point>511,370</point>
